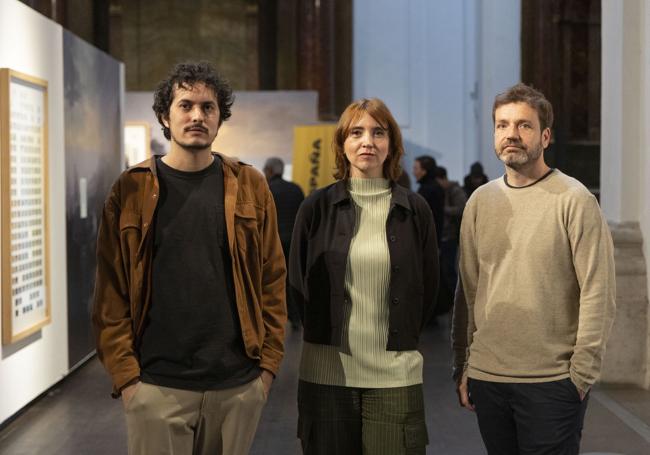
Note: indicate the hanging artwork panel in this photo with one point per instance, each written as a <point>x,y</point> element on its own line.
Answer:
<point>23,205</point>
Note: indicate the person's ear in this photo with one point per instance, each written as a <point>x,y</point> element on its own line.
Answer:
<point>546,137</point>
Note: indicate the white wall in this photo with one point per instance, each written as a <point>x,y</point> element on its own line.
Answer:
<point>438,66</point>
<point>32,44</point>
<point>621,110</point>
<point>499,68</point>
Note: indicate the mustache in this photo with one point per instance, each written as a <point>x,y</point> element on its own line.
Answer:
<point>514,144</point>
<point>196,127</point>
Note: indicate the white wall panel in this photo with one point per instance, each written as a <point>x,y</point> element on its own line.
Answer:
<point>381,54</point>
<point>499,68</point>
<point>438,65</point>
<point>32,44</point>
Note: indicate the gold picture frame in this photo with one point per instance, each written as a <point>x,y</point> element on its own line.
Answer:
<point>24,233</point>
<point>137,142</point>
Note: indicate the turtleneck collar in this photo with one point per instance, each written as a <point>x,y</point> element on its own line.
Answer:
<point>368,186</point>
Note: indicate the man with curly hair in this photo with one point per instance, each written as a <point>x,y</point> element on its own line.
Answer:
<point>189,305</point>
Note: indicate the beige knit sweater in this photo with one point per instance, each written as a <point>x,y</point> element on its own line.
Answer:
<point>537,298</point>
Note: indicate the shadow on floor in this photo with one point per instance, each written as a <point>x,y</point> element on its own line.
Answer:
<point>78,417</point>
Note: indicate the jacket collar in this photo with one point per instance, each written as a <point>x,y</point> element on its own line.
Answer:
<point>340,192</point>
<point>400,197</point>
<point>150,164</point>
<point>399,194</point>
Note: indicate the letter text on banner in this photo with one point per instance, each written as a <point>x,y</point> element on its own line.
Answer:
<point>313,159</point>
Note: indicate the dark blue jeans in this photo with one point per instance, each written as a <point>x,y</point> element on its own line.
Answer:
<point>542,418</point>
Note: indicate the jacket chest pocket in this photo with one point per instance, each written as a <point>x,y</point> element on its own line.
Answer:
<point>130,239</point>
<point>246,228</point>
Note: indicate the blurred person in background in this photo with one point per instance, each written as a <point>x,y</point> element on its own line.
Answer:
<point>474,179</point>
<point>287,196</point>
<point>424,170</point>
<point>454,204</point>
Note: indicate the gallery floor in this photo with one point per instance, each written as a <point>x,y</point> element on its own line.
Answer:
<point>79,417</point>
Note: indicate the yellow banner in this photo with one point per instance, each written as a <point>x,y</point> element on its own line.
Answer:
<point>313,158</point>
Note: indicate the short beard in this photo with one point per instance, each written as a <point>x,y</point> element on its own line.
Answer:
<point>519,160</point>
<point>195,147</point>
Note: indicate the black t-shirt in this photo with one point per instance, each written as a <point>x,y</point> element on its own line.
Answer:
<point>192,336</point>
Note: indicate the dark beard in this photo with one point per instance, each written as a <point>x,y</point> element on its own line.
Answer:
<point>195,147</point>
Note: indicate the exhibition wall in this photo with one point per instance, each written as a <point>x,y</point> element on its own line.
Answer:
<point>83,141</point>
<point>32,44</point>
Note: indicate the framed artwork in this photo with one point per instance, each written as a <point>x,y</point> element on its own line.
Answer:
<point>23,205</point>
<point>137,142</point>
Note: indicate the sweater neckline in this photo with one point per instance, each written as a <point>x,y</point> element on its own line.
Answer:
<point>505,180</point>
<point>368,186</point>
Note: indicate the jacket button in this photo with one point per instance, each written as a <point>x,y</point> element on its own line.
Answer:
<point>146,224</point>
<point>395,301</point>
<point>393,238</point>
<point>396,268</point>
<point>154,195</point>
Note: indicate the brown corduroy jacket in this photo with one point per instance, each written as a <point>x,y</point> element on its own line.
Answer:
<point>124,258</point>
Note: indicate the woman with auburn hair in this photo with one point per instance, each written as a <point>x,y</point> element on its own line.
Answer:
<point>364,271</point>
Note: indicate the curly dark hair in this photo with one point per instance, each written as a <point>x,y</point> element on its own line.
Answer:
<point>185,75</point>
<point>377,110</point>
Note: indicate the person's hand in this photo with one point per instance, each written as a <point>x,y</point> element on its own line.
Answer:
<point>582,394</point>
<point>128,392</point>
<point>463,394</point>
<point>267,380</point>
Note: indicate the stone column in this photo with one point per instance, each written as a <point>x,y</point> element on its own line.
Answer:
<point>625,187</point>
<point>627,358</point>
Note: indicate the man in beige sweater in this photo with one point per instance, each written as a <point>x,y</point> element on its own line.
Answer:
<point>536,299</point>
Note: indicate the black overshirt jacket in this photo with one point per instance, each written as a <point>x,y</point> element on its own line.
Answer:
<point>320,245</point>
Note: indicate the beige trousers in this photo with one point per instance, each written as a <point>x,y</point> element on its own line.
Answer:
<point>162,420</point>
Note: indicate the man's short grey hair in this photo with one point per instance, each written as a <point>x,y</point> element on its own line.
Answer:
<point>275,165</point>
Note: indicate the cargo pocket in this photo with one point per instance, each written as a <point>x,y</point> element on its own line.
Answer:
<point>304,432</point>
<point>415,437</point>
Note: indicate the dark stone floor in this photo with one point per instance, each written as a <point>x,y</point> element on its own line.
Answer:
<point>78,416</point>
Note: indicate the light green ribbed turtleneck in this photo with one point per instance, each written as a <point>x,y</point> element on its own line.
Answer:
<point>362,359</point>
